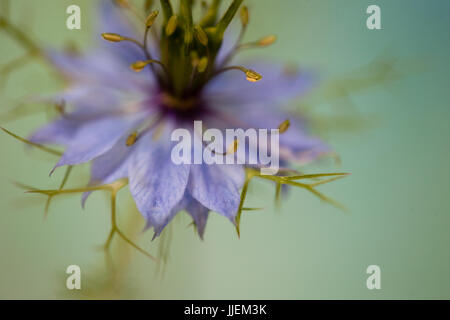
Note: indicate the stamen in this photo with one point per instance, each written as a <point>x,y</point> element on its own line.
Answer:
<point>186,13</point>
<point>245,17</point>
<point>201,35</point>
<point>151,18</point>
<point>267,41</point>
<point>113,37</point>
<point>202,64</point>
<point>138,66</point>
<point>263,42</point>
<point>251,75</point>
<point>132,138</point>
<point>283,127</point>
<point>232,148</point>
<point>171,25</point>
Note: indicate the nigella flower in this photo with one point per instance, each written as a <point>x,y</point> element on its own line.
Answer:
<point>120,118</point>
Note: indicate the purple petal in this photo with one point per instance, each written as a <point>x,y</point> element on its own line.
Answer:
<point>277,86</point>
<point>88,108</point>
<point>229,40</point>
<point>100,69</point>
<point>217,187</point>
<point>199,214</point>
<point>295,144</point>
<point>97,137</point>
<point>156,183</point>
<point>59,132</point>
<point>112,19</point>
<point>111,166</point>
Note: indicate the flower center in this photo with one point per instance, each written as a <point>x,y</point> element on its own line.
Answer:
<point>188,49</point>
<point>181,104</point>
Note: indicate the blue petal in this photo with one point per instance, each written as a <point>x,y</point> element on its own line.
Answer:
<point>89,106</point>
<point>99,68</point>
<point>296,144</point>
<point>199,214</point>
<point>59,132</point>
<point>97,137</point>
<point>111,166</point>
<point>217,187</point>
<point>113,20</point>
<point>229,40</point>
<point>277,86</point>
<point>156,183</point>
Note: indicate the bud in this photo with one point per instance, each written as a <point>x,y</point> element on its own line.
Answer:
<point>171,25</point>
<point>112,37</point>
<point>201,35</point>
<point>151,18</point>
<point>245,17</point>
<point>283,127</point>
<point>252,76</point>
<point>267,41</point>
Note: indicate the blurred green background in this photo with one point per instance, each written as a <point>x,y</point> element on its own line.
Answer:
<point>393,137</point>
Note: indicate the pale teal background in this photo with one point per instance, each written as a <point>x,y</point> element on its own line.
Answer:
<point>397,196</point>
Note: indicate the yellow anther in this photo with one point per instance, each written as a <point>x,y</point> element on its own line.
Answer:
<point>252,76</point>
<point>245,17</point>
<point>112,37</point>
<point>123,3</point>
<point>151,18</point>
<point>172,25</point>
<point>201,35</point>
<point>283,127</point>
<point>138,66</point>
<point>232,148</point>
<point>132,138</point>
<point>202,64</point>
<point>267,41</point>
